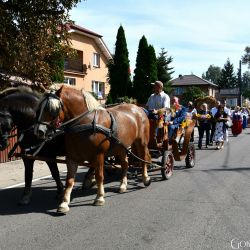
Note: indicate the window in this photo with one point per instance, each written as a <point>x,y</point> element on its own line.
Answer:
<point>98,89</point>
<point>96,60</point>
<point>178,91</point>
<point>70,81</point>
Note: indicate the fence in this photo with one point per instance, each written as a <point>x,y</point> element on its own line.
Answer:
<point>4,153</point>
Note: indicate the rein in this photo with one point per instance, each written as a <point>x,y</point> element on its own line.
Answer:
<point>73,126</point>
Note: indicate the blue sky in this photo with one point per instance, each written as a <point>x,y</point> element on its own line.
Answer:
<point>196,33</point>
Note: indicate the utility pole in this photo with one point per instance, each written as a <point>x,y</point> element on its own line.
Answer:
<point>240,86</point>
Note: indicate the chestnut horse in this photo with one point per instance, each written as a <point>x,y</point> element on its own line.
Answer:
<point>93,133</point>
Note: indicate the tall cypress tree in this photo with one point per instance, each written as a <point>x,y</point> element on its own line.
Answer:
<point>145,71</point>
<point>119,74</point>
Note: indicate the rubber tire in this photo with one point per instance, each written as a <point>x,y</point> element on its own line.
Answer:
<point>168,165</point>
<point>190,158</point>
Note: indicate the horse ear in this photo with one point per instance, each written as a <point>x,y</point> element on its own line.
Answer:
<point>58,92</point>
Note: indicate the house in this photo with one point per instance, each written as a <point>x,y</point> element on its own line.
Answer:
<point>230,95</point>
<point>181,84</point>
<point>88,69</point>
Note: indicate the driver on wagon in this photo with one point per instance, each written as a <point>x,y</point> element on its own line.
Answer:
<point>157,102</point>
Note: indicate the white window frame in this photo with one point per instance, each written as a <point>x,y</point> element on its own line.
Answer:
<point>98,90</point>
<point>70,81</point>
<point>96,60</point>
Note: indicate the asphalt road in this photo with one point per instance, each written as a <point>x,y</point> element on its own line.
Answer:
<point>207,207</point>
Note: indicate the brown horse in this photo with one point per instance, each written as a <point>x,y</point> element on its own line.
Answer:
<point>93,133</point>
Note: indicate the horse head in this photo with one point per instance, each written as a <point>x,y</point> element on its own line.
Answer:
<point>48,116</point>
<point>63,105</point>
<point>6,125</point>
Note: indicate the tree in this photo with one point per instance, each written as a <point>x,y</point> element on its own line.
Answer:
<point>145,71</point>
<point>246,57</point>
<point>228,78</point>
<point>164,72</point>
<point>34,39</point>
<point>191,94</point>
<point>119,73</point>
<point>246,84</point>
<point>213,74</point>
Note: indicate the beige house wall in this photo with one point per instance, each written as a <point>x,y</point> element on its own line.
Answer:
<point>84,81</point>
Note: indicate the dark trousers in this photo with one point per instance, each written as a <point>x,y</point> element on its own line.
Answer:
<point>212,131</point>
<point>202,128</point>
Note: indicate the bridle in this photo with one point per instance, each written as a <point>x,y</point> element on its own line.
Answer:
<point>44,102</point>
<point>6,115</point>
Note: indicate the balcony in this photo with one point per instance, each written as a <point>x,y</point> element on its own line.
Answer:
<point>75,66</point>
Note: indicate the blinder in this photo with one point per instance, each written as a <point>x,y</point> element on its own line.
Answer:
<point>45,103</point>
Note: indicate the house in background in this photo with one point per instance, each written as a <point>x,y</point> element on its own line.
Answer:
<point>88,69</point>
<point>230,95</point>
<point>181,84</point>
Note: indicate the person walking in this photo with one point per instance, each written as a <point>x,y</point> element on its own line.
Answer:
<point>204,117</point>
<point>228,112</point>
<point>213,111</point>
<point>220,127</point>
<point>245,115</point>
<point>237,121</point>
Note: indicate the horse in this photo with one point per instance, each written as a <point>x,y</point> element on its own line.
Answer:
<point>92,135</point>
<point>18,109</point>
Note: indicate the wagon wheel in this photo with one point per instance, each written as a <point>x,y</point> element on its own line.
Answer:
<point>190,158</point>
<point>167,165</point>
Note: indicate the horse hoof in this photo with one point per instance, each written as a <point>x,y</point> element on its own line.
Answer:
<point>98,202</point>
<point>63,208</point>
<point>122,190</point>
<point>147,182</point>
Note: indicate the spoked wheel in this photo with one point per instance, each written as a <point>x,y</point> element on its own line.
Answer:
<point>167,164</point>
<point>190,158</point>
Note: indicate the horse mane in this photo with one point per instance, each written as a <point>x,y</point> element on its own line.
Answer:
<point>90,100</point>
<point>12,90</point>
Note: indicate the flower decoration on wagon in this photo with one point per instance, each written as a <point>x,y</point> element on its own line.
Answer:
<point>188,120</point>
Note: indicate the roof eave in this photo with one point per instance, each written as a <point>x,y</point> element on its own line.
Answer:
<point>98,39</point>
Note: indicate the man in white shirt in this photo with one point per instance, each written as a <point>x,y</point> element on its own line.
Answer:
<point>159,100</point>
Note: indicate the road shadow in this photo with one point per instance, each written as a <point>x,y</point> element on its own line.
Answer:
<point>44,194</point>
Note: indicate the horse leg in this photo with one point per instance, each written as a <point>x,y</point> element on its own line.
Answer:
<point>28,176</point>
<point>99,175</point>
<point>144,154</point>
<point>70,181</point>
<point>124,180</point>
<point>89,179</point>
<point>56,176</point>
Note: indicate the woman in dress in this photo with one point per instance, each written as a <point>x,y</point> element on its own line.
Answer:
<point>221,118</point>
<point>245,115</point>
<point>237,121</point>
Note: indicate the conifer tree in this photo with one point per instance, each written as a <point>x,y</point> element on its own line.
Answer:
<point>119,73</point>
<point>228,78</point>
<point>164,71</point>
<point>145,71</point>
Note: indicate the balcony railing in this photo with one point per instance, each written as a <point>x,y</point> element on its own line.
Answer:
<point>75,66</point>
